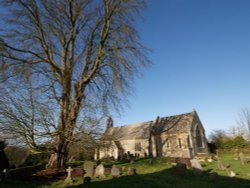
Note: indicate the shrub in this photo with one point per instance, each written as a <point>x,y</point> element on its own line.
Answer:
<point>16,155</point>
<point>36,158</point>
<point>239,142</point>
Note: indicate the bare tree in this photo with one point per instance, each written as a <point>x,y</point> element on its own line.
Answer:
<point>84,52</point>
<point>24,118</point>
<point>244,119</point>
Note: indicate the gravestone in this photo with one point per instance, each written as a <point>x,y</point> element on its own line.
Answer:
<point>69,178</point>
<point>115,172</point>
<point>242,158</point>
<point>236,155</point>
<point>195,164</point>
<point>124,169</point>
<point>131,171</point>
<point>99,171</point>
<point>88,167</point>
<point>221,165</point>
<point>230,173</point>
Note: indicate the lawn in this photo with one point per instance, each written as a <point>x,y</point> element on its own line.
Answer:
<point>159,174</point>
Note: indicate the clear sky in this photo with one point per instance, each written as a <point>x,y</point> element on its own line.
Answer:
<point>201,55</point>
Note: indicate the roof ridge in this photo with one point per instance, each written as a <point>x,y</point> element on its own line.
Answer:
<point>146,122</point>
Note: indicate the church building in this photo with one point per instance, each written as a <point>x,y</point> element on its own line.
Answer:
<point>178,136</point>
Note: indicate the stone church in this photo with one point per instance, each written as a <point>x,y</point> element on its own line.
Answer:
<point>179,136</point>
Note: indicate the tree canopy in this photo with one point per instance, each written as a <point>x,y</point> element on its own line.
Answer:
<point>79,54</point>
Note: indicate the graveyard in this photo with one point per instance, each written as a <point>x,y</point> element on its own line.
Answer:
<point>224,170</point>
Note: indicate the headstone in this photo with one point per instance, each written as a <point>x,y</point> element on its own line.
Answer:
<point>242,158</point>
<point>88,167</point>
<point>132,160</point>
<point>69,178</point>
<point>115,172</point>
<point>124,169</point>
<point>231,173</point>
<point>195,164</point>
<point>221,165</point>
<point>131,171</point>
<point>236,155</point>
<point>6,173</point>
<point>99,171</point>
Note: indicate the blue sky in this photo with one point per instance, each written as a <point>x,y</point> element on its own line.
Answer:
<point>201,55</point>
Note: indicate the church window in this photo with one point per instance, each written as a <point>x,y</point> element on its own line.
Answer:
<point>179,142</point>
<point>137,146</point>
<point>188,142</point>
<point>198,138</point>
<point>168,143</point>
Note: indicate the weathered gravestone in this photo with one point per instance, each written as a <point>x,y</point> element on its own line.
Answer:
<point>230,173</point>
<point>221,165</point>
<point>242,158</point>
<point>69,178</point>
<point>236,154</point>
<point>115,172</point>
<point>131,171</point>
<point>88,168</point>
<point>124,169</point>
<point>195,164</point>
<point>100,171</point>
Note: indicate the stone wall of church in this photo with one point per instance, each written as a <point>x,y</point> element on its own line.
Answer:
<point>198,137</point>
<point>176,145</point>
<point>112,149</point>
<point>106,151</point>
<point>139,147</point>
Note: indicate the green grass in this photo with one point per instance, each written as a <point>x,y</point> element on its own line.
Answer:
<point>159,174</point>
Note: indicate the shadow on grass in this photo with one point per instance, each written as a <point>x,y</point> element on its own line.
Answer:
<point>172,177</point>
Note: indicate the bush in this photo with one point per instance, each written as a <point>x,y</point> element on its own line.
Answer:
<point>16,155</point>
<point>237,142</point>
<point>35,159</point>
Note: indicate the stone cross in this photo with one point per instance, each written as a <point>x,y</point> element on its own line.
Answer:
<point>69,178</point>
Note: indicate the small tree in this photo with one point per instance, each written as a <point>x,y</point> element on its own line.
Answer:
<point>244,120</point>
<point>239,142</point>
<point>218,138</point>
<point>17,155</point>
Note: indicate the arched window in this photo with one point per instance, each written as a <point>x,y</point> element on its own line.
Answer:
<point>198,138</point>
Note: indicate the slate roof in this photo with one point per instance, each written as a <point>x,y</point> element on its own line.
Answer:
<point>171,124</point>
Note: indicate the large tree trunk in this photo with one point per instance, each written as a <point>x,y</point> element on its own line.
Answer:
<point>67,123</point>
